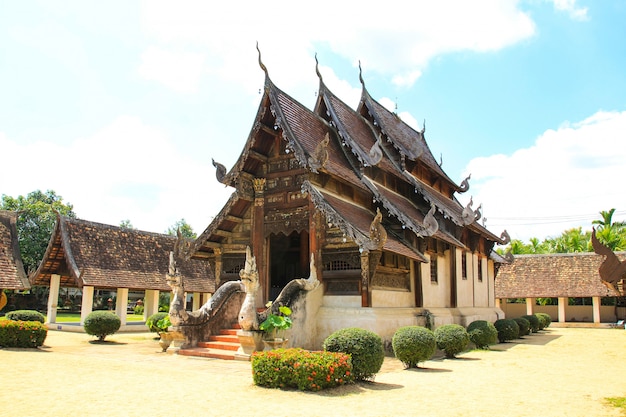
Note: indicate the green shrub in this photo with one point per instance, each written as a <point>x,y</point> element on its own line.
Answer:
<point>26,315</point>
<point>152,321</point>
<point>524,326</point>
<point>22,334</point>
<point>364,346</point>
<point>413,344</point>
<point>507,329</point>
<point>482,333</point>
<point>101,324</point>
<point>452,339</point>
<point>298,368</point>
<point>138,309</point>
<point>544,320</point>
<point>534,322</point>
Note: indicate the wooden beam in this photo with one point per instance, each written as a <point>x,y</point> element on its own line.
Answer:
<point>220,232</point>
<point>233,219</point>
<point>256,155</point>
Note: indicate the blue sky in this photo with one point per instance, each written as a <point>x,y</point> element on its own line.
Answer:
<point>120,106</point>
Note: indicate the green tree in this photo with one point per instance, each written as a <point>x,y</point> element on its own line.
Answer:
<point>185,229</point>
<point>126,224</point>
<point>612,234</point>
<point>35,223</point>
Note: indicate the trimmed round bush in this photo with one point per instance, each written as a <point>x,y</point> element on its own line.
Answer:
<point>524,326</point>
<point>452,339</point>
<point>101,324</point>
<point>26,315</point>
<point>413,344</point>
<point>364,346</point>
<point>545,319</point>
<point>482,333</point>
<point>534,322</point>
<point>152,321</point>
<point>507,329</point>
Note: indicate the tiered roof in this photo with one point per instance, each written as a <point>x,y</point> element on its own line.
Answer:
<point>12,275</point>
<point>369,150</point>
<point>554,275</point>
<point>104,256</point>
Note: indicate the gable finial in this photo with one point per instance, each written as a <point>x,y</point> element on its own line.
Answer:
<point>263,67</point>
<point>361,74</point>
<point>317,68</point>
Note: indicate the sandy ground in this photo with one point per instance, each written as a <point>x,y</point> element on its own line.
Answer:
<point>560,372</point>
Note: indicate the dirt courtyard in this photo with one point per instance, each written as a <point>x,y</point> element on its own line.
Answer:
<point>559,372</point>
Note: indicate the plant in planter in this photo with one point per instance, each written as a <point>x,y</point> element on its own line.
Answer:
<point>162,326</point>
<point>275,325</point>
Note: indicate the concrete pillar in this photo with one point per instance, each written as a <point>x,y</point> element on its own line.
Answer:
<point>53,298</point>
<point>498,302</point>
<point>150,303</point>
<point>562,304</point>
<point>530,305</point>
<point>206,296</point>
<point>86,306</point>
<point>596,309</point>
<point>195,305</point>
<point>121,305</point>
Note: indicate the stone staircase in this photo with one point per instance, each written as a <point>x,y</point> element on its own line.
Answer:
<point>220,346</point>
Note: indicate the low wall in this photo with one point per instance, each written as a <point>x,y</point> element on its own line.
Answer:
<point>573,313</point>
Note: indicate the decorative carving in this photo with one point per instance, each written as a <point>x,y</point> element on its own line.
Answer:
<point>612,269</point>
<point>259,186</point>
<point>220,170</point>
<point>177,313</point>
<point>464,184</point>
<point>378,234</point>
<point>347,260</point>
<point>469,216</point>
<point>506,239</point>
<point>430,223</point>
<point>400,281</point>
<point>320,155</point>
<point>509,256</point>
<point>286,221</point>
<point>248,319</point>
<point>376,153</point>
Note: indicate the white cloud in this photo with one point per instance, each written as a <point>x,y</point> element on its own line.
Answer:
<point>564,180</point>
<point>177,70</point>
<point>570,7</point>
<point>127,170</point>
<point>401,43</point>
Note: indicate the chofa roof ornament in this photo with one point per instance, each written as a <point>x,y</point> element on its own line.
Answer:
<point>464,184</point>
<point>430,223</point>
<point>220,170</point>
<point>469,216</point>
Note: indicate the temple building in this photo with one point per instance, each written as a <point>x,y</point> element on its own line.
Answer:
<point>360,191</point>
<point>12,274</point>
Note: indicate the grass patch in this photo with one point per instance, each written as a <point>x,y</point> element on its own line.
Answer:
<point>618,402</point>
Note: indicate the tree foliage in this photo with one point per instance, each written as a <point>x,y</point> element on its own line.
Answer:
<point>185,229</point>
<point>35,223</point>
<point>612,234</point>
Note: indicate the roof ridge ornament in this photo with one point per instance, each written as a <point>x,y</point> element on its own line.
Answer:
<point>376,152</point>
<point>320,155</point>
<point>469,216</point>
<point>506,239</point>
<point>378,234</point>
<point>220,171</point>
<point>464,184</point>
<point>431,226</point>
<point>263,67</point>
<point>361,75</point>
<point>317,68</point>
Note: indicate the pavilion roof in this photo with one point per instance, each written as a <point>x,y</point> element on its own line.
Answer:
<point>12,275</point>
<point>553,275</point>
<point>104,256</point>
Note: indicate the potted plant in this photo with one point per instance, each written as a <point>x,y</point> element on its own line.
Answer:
<point>162,326</point>
<point>275,325</point>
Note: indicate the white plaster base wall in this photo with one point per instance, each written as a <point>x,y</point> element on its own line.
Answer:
<point>386,298</point>
<point>572,313</point>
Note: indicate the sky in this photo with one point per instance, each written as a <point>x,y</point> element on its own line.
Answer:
<point>120,106</point>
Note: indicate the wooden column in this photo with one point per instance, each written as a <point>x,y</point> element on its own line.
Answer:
<point>315,238</point>
<point>453,277</point>
<point>258,236</point>
<point>53,298</point>
<point>218,266</point>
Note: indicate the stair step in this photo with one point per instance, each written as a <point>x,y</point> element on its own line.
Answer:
<point>232,332</point>
<point>219,345</point>
<point>224,338</point>
<point>208,353</point>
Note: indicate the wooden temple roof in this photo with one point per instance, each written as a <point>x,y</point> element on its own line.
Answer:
<point>553,275</point>
<point>12,275</point>
<point>365,149</point>
<point>104,256</point>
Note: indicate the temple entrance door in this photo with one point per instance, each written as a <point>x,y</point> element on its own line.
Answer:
<point>289,259</point>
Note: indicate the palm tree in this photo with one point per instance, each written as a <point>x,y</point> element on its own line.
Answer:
<point>612,234</point>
